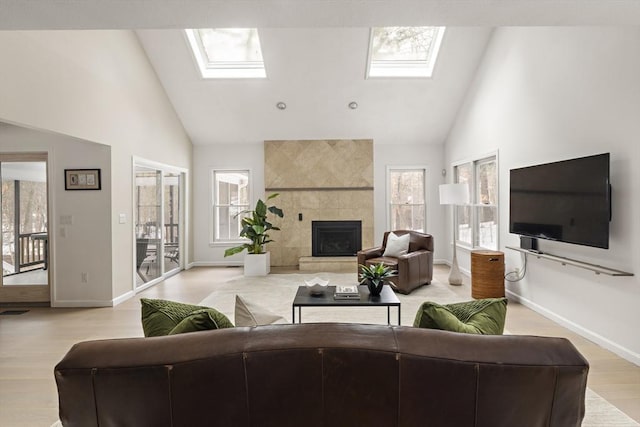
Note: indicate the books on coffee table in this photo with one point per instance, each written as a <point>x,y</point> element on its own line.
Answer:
<point>346,292</point>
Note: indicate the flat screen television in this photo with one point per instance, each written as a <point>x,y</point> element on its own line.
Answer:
<point>567,201</point>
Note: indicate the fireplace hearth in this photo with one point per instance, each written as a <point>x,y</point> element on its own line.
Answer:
<point>336,238</point>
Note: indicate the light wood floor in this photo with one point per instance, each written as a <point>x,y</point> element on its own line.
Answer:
<point>32,343</point>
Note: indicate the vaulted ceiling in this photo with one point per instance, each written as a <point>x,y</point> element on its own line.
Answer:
<point>317,72</point>
<point>315,53</point>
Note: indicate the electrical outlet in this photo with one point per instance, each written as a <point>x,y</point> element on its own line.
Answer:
<point>84,277</point>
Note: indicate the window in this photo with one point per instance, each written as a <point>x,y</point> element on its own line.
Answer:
<point>227,52</point>
<point>477,223</point>
<point>230,197</point>
<point>407,209</point>
<point>404,51</point>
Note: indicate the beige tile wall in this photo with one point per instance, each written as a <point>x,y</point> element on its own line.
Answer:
<point>323,180</point>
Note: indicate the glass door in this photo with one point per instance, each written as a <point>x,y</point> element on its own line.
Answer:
<point>171,241</point>
<point>148,224</point>
<point>24,223</point>
<point>159,221</point>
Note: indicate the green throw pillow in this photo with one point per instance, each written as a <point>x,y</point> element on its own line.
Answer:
<point>484,316</point>
<point>202,320</point>
<point>159,317</point>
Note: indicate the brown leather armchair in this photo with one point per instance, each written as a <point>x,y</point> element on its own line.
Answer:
<point>415,268</point>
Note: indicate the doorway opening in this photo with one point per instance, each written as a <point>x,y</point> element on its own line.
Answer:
<point>25,228</point>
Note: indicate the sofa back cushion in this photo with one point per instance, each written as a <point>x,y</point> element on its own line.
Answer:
<point>323,375</point>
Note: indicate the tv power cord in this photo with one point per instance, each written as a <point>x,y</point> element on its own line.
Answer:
<point>517,274</point>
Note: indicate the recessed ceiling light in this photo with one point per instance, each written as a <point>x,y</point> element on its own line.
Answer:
<point>281,105</point>
<point>353,105</point>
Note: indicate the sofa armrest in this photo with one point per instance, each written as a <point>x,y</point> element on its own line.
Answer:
<point>366,254</point>
<point>418,253</point>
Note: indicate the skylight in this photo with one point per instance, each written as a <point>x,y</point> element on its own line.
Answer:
<point>403,51</point>
<point>227,52</point>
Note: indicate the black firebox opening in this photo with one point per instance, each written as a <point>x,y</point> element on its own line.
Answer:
<point>336,238</point>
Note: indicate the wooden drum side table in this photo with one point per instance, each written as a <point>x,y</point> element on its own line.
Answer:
<point>487,274</point>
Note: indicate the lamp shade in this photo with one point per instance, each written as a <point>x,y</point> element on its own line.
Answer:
<point>454,194</point>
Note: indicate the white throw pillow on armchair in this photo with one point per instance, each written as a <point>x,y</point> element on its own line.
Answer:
<point>397,245</point>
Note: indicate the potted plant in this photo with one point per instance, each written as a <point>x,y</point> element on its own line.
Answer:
<point>255,227</point>
<point>375,276</point>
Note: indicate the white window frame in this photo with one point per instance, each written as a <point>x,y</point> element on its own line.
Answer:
<point>404,68</point>
<point>213,219</point>
<point>474,204</point>
<point>229,70</point>
<point>391,168</point>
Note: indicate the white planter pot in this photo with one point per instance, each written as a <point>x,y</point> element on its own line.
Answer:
<point>257,264</point>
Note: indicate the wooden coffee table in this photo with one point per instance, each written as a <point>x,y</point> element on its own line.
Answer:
<point>387,298</point>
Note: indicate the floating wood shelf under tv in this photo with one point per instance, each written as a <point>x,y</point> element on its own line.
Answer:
<point>598,269</point>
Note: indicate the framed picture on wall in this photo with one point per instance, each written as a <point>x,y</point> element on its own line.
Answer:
<point>82,179</point>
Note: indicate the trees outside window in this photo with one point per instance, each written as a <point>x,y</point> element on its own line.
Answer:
<point>230,197</point>
<point>477,223</point>
<point>407,207</point>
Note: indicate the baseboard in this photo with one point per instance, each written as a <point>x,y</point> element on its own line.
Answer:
<point>122,298</point>
<point>621,351</point>
<point>81,303</point>
<point>217,264</point>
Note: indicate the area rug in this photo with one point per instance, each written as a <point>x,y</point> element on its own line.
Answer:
<point>276,292</point>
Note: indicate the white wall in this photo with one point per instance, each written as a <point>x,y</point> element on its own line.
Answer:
<point>548,94</point>
<point>221,156</point>
<point>233,156</point>
<point>421,155</point>
<point>100,87</point>
<point>77,249</point>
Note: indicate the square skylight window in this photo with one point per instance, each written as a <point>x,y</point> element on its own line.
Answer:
<point>227,52</point>
<point>403,51</point>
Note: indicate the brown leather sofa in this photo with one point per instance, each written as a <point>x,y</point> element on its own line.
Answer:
<point>323,375</point>
<point>414,269</point>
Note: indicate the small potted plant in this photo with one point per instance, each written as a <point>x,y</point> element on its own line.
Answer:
<point>375,276</point>
<point>255,227</point>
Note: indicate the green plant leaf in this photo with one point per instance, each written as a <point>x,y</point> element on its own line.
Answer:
<point>235,250</point>
<point>276,211</point>
<point>261,209</point>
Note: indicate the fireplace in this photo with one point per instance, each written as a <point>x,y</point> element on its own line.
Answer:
<point>336,238</point>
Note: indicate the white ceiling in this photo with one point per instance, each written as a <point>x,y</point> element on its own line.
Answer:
<point>315,53</point>
<point>316,72</point>
<point>163,14</point>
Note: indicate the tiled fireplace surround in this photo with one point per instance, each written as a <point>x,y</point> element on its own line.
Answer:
<point>322,180</point>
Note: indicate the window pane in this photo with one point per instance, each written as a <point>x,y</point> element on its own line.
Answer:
<point>464,224</point>
<point>232,188</point>
<point>148,223</point>
<point>463,173</point>
<point>476,225</point>
<point>406,199</point>
<point>171,236</point>
<point>229,225</point>
<point>407,186</point>
<point>487,227</point>
<point>402,43</point>
<point>408,217</point>
<point>231,196</point>
<point>487,183</point>
<point>404,51</point>
<point>231,44</point>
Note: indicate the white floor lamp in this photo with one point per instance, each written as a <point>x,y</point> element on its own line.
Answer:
<point>454,194</point>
